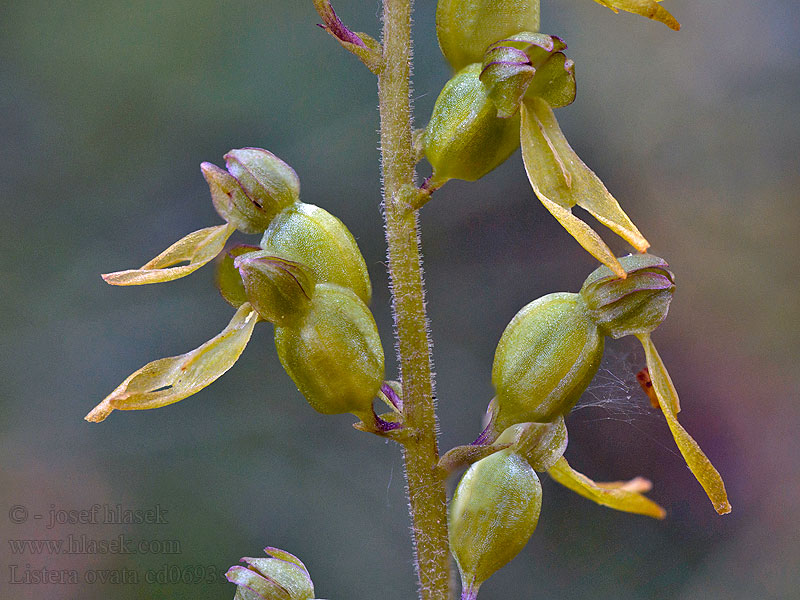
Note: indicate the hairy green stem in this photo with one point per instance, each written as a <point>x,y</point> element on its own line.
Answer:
<point>426,490</point>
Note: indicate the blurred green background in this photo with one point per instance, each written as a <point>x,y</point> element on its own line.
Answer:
<point>107,107</point>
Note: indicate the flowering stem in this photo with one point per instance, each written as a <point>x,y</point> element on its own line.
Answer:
<point>426,490</point>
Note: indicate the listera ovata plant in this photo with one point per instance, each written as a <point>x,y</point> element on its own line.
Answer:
<point>308,278</point>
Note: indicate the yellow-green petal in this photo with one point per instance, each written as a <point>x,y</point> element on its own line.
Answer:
<point>197,249</point>
<point>646,8</point>
<point>619,495</point>
<point>665,392</point>
<point>169,380</point>
<point>585,235</point>
<point>695,459</point>
<point>561,180</point>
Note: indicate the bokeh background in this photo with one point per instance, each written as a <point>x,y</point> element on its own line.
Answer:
<point>107,107</point>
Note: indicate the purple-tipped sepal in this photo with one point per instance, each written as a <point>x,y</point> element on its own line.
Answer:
<point>362,45</point>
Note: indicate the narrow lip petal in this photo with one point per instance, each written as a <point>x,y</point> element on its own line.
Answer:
<point>652,10</point>
<point>699,464</point>
<point>561,180</point>
<point>197,248</point>
<point>169,380</point>
<point>623,496</point>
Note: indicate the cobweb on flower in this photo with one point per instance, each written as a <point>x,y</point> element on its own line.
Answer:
<point>614,393</point>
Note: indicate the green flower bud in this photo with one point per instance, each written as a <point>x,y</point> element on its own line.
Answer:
<point>231,203</point>
<point>268,181</point>
<point>528,65</point>
<point>465,28</point>
<point>283,577</point>
<point>545,360</point>
<point>312,236</point>
<point>256,186</point>
<point>541,444</point>
<point>493,513</point>
<point>634,305</point>
<point>278,289</point>
<point>465,138</point>
<point>333,353</point>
